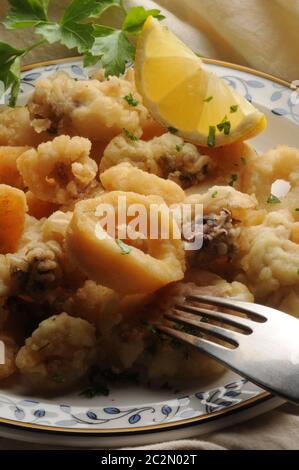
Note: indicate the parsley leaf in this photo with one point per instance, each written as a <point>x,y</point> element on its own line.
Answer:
<point>179,147</point>
<point>273,200</point>
<point>50,31</point>
<point>114,49</point>
<point>234,179</point>
<point>215,194</point>
<point>131,100</point>
<point>79,10</point>
<point>234,108</point>
<point>69,31</point>
<point>125,249</point>
<point>57,378</point>
<point>130,135</point>
<point>96,42</point>
<point>172,130</point>
<point>95,391</point>
<point>24,13</point>
<point>76,35</point>
<point>10,71</point>
<point>224,126</point>
<point>208,99</point>
<point>136,18</point>
<point>212,136</point>
<point>90,60</point>
<point>8,52</point>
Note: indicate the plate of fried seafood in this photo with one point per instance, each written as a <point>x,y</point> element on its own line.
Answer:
<point>84,361</point>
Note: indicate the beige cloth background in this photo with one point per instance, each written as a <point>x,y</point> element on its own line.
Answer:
<point>263,34</point>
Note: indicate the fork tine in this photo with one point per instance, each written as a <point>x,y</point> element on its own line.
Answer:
<point>232,304</point>
<point>208,347</point>
<point>217,331</point>
<point>238,322</point>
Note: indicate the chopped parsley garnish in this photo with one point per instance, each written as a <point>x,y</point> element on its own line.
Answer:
<point>125,249</point>
<point>57,378</point>
<point>234,179</point>
<point>96,384</point>
<point>273,200</point>
<point>152,328</point>
<point>225,126</point>
<point>131,100</point>
<point>234,108</point>
<point>179,147</point>
<point>95,391</point>
<point>297,210</point>
<point>172,130</point>
<point>215,194</point>
<point>298,271</point>
<point>130,135</point>
<point>189,329</point>
<point>212,136</point>
<point>244,161</point>
<point>208,99</point>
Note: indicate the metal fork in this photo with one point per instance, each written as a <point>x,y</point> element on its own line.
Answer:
<point>266,345</point>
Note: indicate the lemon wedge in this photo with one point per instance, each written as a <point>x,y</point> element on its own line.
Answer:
<point>186,97</point>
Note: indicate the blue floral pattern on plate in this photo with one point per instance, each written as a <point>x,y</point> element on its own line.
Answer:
<point>176,409</point>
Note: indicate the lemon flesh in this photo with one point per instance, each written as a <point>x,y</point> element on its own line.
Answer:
<point>181,93</point>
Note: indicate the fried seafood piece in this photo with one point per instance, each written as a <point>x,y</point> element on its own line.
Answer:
<point>168,359</point>
<point>269,254</point>
<point>224,211</point>
<point>13,208</point>
<point>9,173</point>
<point>40,265</point>
<point>230,164</point>
<point>5,279</point>
<point>58,354</point>
<point>285,299</point>
<point>36,269</point>
<point>219,234</point>
<point>58,171</point>
<point>139,263</point>
<point>236,290</point>
<point>38,208</point>
<point>55,227</point>
<point>94,109</point>
<point>95,303</point>
<point>16,129</point>
<point>167,156</point>
<point>218,198</point>
<point>8,349</point>
<point>281,163</point>
<point>126,177</point>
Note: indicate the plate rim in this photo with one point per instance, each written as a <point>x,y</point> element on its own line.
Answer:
<point>263,397</point>
<point>209,417</point>
<point>206,60</point>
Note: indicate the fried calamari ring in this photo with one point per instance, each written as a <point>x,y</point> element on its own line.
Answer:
<point>13,209</point>
<point>126,177</point>
<point>142,265</point>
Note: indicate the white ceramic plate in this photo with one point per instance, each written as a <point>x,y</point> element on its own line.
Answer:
<point>134,415</point>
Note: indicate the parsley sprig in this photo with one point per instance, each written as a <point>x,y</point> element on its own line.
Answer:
<point>113,48</point>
